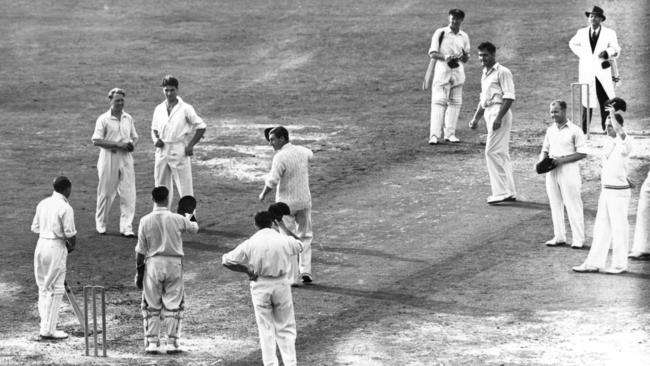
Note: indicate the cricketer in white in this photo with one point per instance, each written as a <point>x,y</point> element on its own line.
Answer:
<point>160,247</point>
<point>290,174</point>
<point>611,226</point>
<point>116,137</point>
<point>54,224</point>
<point>266,258</point>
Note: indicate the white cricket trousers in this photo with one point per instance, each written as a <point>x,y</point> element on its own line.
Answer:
<point>299,222</point>
<point>276,323</point>
<point>611,227</point>
<point>173,165</point>
<point>163,295</point>
<point>497,153</point>
<point>446,101</point>
<point>116,177</point>
<point>564,187</point>
<point>642,227</point>
<point>50,259</point>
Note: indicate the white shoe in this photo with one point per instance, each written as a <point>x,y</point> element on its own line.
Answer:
<point>555,243</point>
<point>433,140</point>
<point>101,231</point>
<point>174,347</point>
<point>152,348</point>
<point>58,334</point>
<point>615,270</point>
<point>583,268</point>
<point>128,234</point>
<point>453,139</point>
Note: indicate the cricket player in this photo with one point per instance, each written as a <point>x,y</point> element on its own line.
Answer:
<point>159,260</point>
<point>564,142</point>
<point>641,245</point>
<point>611,226</point>
<point>265,257</point>
<point>290,175</point>
<point>446,76</point>
<point>497,96</point>
<point>175,130</point>
<point>597,48</point>
<point>116,137</point>
<point>57,236</point>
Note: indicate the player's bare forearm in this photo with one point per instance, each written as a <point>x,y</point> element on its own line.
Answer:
<point>265,191</point>
<point>505,107</point>
<point>569,158</point>
<point>477,116</point>
<point>71,243</point>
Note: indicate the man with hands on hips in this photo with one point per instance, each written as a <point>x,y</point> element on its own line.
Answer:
<point>175,129</point>
<point>497,96</point>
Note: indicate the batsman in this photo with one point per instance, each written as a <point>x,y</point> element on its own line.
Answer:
<point>159,261</point>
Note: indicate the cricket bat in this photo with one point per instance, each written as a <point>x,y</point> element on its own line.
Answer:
<point>73,301</point>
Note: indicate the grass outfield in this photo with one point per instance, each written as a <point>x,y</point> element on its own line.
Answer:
<point>346,77</point>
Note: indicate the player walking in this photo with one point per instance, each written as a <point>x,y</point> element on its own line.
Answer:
<point>497,96</point>
<point>160,246</point>
<point>446,76</point>
<point>54,224</point>
<point>116,136</point>
<point>290,174</point>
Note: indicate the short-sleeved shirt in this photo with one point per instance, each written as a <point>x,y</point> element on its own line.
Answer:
<point>108,127</point>
<point>615,153</point>
<point>497,84</point>
<point>179,126</point>
<point>452,44</point>
<point>563,141</point>
<point>54,218</point>
<point>290,174</point>
<point>267,253</point>
<point>160,233</point>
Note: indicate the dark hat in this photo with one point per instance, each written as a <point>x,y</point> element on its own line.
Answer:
<point>618,104</point>
<point>596,11</point>
<point>457,13</point>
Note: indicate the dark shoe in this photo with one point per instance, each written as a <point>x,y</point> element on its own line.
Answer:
<point>58,334</point>
<point>306,278</point>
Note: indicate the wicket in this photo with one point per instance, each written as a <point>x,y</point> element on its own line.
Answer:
<point>586,123</point>
<point>92,291</point>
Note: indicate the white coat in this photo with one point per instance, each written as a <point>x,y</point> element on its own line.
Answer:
<point>590,63</point>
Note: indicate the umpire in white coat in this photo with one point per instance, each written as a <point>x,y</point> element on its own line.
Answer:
<point>116,136</point>
<point>595,45</point>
